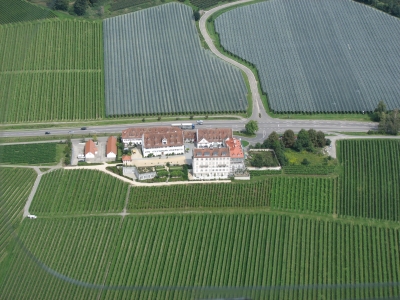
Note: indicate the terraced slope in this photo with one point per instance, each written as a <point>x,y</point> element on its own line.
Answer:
<point>154,64</point>
<point>334,56</point>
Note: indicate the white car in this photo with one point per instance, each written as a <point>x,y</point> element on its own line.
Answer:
<point>32,217</point>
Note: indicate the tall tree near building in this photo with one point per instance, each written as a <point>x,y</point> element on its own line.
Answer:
<point>251,127</point>
<point>288,138</point>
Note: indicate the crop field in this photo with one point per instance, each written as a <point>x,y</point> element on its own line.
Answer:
<point>78,191</point>
<point>16,184</point>
<point>49,76</point>
<point>204,3</point>
<point>297,194</point>
<point>309,170</point>
<point>172,257</point>
<point>21,11</point>
<point>370,185</point>
<point>337,56</point>
<point>154,64</point>
<point>121,4</point>
<point>28,153</point>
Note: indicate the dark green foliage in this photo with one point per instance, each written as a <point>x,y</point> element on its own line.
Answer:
<point>312,135</point>
<point>379,111</point>
<point>121,4</point>
<point>80,7</point>
<point>288,138</point>
<point>251,127</point>
<point>271,140</point>
<point>303,141</point>
<point>203,3</point>
<point>390,122</point>
<point>196,15</point>
<point>321,141</point>
<point>254,173</point>
<point>305,162</point>
<point>28,153</point>
<point>12,11</point>
<point>389,6</point>
<point>60,4</point>
<point>370,184</point>
<point>263,159</point>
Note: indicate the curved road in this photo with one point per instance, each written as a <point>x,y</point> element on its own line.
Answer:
<point>258,107</point>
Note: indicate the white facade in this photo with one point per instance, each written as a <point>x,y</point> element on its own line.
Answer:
<point>206,144</point>
<point>111,155</point>
<point>133,141</point>
<point>211,167</point>
<point>163,150</point>
<point>89,155</point>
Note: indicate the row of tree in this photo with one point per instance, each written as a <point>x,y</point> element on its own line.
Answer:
<point>80,6</point>
<point>389,6</point>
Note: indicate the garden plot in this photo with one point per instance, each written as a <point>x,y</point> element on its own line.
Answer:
<point>330,56</point>
<point>154,64</point>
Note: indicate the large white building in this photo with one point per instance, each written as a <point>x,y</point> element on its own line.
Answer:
<point>218,162</point>
<point>212,137</point>
<point>156,141</point>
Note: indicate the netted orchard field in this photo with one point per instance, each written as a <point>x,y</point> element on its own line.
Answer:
<point>370,185</point>
<point>330,56</point>
<point>51,71</point>
<point>154,64</point>
<point>191,256</point>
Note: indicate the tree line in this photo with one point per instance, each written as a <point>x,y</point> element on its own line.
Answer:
<point>79,7</point>
<point>389,121</point>
<point>389,6</point>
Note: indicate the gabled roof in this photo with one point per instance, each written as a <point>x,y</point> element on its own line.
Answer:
<point>137,132</point>
<point>206,153</point>
<point>155,140</point>
<point>212,135</point>
<point>126,158</point>
<point>111,145</point>
<point>235,148</point>
<point>90,147</point>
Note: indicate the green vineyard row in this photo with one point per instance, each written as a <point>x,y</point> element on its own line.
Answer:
<point>79,191</point>
<point>172,257</point>
<point>22,11</point>
<point>28,153</point>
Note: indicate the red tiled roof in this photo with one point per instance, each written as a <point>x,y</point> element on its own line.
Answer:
<point>126,158</point>
<point>207,153</point>
<point>235,148</point>
<point>214,134</point>
<point>137,132</point>
<point>111,145</point>
<point>155,140</point>
<point>90,147</point>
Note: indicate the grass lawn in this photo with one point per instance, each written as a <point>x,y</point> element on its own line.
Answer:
<point>245,143</point>
<point>315,159</point>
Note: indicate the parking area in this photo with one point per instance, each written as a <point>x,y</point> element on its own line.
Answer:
<point>78,151</point>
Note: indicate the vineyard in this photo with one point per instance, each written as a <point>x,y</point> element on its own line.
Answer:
<point>171,257</point>
<point>79,191</point>
<point>154,64</point>
<point>16,185</point>
<point>298,194</point>
<point>28,153</point>
<point>370,185</point>
<point>317,58</point>
<point>21,11</point>
<point>202,4</point>
<point>309,170</point>
<point>48,76</point>
<point>121,4</point>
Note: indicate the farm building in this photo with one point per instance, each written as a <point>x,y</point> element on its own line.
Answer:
<point>213,137</point>
<point>90,149</point>
<point>111,147</point>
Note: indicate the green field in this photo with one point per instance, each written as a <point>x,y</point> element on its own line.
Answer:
<point>28,153</point>
<point>21,11</point>
<point>370,184</point>
<point>79,191</point>
<point>51,71</point>
<point>15,186</point>
<point>289,193</point>
<point>164,254</point>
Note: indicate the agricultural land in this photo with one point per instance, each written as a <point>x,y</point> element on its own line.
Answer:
<point>279,236</point>
<point>317,58</point>
<point>49,76</point>
<point>154,65</point>
<point>40,153</point>
<point>13,11</point>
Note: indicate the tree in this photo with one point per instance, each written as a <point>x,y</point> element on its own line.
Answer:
<point>288,138</point>
<point>251,127</point>
<point>380,110</point>
<point>390,123</point>
<point>257,161</point>
<point>196,15</point>
<point>92,2</point>
<point>312,135</point>
<point>305,162</point>
<point>321,141</point>
<point>61,4</point>
<point>272,138</point>
<point>303,141</point>
<point>80,7</point>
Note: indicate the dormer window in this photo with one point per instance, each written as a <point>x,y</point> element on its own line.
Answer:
<point>164,141</point>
